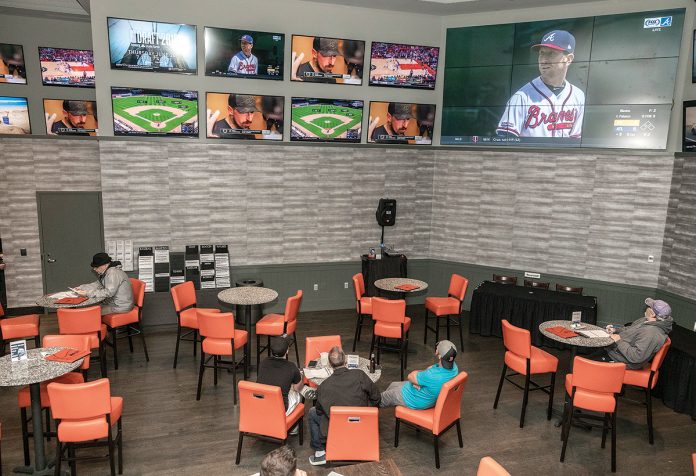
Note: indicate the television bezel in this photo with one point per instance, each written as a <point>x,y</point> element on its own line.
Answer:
<point>309,141</point>
<point>26,98</point>
<point>255,140</point>
<point>362,80</point>
<point>432,138</point>
<point>66,85</point>
<point>369,80</point>
<point>26,80</point>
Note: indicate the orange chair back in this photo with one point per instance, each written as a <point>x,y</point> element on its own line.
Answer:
<point>517,340</point>
<point>184,295</point>
<point>449,403</point>
<point>386,310</point>
<point>600,377</point>
<point>314,346</point>
<point>218,325</point>
<point>292,306</point>
<point>660,356</point>
<point>490,467</point>
<point>80,401</point>
<point>138,291</point>
<point>261,410</point>
<point>72,341</point>
<point>353,434</point>
<point>457,287</point>
<point>358,286</point>
<point>83,320</point>
<point>2,310</point>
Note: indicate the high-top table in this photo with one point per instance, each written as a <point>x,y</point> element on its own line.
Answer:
<point>390,285</point>
<point>50,302</point>
<point>32,372</point>
<point>364,365</point>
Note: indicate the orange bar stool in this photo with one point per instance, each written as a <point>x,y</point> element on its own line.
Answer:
<point>127,321</point>
<point>278,325</point>
<point>449,307</point>
<point>184,297</point>
<point>646,378</point>
<point>85,321</point>
<point>490,467</point>
<point>390,323</point>
<point>437,420</point>
<point>220,339</point>
<point>363,305</point>
<point>21,327</point>
<point>262,413</point>
<point>594,386</point>
<point>353,434</point>
<point>314,346</point>
<point>525,359</point>
<point>85,413</point>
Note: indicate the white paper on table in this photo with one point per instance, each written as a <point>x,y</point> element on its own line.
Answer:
<point>593,334</point>
<point>334,473</point>
<point>63,294</point>
<point>324,372</point>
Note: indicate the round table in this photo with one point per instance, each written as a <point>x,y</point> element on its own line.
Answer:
<point>391,285</point>
<point>247,296</point>
<point>364,366</point>
<point>50,302</point>
<point>32,372</point>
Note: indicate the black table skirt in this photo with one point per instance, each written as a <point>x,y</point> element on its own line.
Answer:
<point>525,307</point>
<point>676,384</point>
<point>390,266</point>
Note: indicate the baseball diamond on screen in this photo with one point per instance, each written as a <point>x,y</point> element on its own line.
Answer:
<point>152,111</point>
<point>326,119</point>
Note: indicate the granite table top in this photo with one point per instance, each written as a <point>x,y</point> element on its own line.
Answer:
<point>247,296</point>
<point>390,284</point>
<point>364,366</point>
<point>50,302</point>
<point>578,341</point>
<point>35,369</point>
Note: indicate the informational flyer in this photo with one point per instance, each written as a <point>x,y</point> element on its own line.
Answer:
<point>161,268</point>
<point>222,266</point>
<point>146,267</point>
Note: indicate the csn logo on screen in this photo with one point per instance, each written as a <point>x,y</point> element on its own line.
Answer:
<point>657,22</point>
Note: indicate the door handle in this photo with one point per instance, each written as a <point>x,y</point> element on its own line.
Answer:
<point>49,259</point>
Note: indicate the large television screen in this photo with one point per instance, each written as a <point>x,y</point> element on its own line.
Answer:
<point>152,46</point>
<point>12,69</point>
<point>403,66</point>
<point>326,120</point>
<point>318,59</point>
<point>67,117</point>
<point>689,127</point>
<point>154,112</point>
<point>401,123</point>
<point>244,53</point>
<point>605,81</point>
<point>66,67</point>
<point>14,115</point>
<point>244,116</point>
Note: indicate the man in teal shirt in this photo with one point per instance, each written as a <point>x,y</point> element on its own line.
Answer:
<point>423,386</point>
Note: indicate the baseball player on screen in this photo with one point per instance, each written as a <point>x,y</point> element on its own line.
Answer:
<point>547,106</point>
<point>244,62</point>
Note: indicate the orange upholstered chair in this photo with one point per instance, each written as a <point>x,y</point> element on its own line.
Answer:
<point>128,321</point>
<point>21,327</point>
<point>693,461</point>
<point>490,467</point>
<point>184,297</point>
<point>390,323</point>
<point>85,413</point>
<point>363,305</point>
<point>353,434</point>
<point>594,386</point>
<point>85,321</point>
<point>278,325</point>
<point>646,378</point>
<point>220,339</point>
<point>262,413</point>
<point>449,307</point>
<point>437,420</point>
<point>314,346</point>
<point>525,359</point>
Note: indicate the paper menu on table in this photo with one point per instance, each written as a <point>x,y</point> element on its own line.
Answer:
<point>593,334</point>
<point>323,372</point>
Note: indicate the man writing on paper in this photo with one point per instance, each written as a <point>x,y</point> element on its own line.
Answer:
<point>112,285</point>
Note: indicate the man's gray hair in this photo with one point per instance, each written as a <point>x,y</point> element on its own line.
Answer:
<point>336,357</point>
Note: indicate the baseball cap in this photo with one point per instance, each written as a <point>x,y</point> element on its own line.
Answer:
<point>247,38</point>
<point>100,259</point>
<point>448,352</point>
<point>400,110</point>
<point>243,102</point>
<point>279,346</point>
<point>660,308</point>
<point>558,40</point>
<point>325,46</point>
<point>76,108</point>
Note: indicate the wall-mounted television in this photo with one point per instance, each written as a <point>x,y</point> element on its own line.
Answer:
<point>689,126</point>
<point>319,59</point>
<point>244,116</point>
<point>14,115</point>
<point>68,117</point>
<point>154,112</point>
<point>12,68</point>
<point>401,123</point>
<point>152,46</point>
<point>403,66</point>
<point>326,120</point>
<point>244,53</point>
<point>66,67</point>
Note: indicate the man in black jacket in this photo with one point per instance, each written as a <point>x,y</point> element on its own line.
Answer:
<point>352,388</point>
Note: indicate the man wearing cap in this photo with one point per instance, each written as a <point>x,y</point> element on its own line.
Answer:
<point>393,131</point>
<point>244,62</point>
<point>423,386</point>
<point>278,371</point>
<point>240,114</point>
<point>548,106</point>
<point>74,118</point>
<point>324,53</point>
<point>112,286</point>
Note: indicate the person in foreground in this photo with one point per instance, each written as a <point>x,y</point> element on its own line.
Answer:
<point>423,387</point>
<point>350,388</point>
<point>280,462</point>
<point>112,285</point>
<point>279,371</point>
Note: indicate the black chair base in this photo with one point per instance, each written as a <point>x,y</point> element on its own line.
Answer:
<point>219,363</point>
<point>450,319</point>
<point>129,331</point>
<point>111,442</point>
<point>608,421</point>
<point>548,389</point>
<point>380,343</point>
<point>359,327</point>
<point>436,438</point>
<point>179,337</point>
<point>242,434</point>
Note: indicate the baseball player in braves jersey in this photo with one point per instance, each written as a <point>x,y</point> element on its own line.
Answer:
<point>244,62</point>
<point>547,106</point>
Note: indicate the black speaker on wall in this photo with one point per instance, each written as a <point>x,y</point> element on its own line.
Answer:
<point>386,212</point>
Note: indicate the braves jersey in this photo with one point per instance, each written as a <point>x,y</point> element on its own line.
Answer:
<point>535,111</point>
<point>240,64</point>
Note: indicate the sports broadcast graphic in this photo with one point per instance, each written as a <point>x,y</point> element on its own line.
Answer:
<point>244,53</point>
<point>14,115</point>
<point>405,66</point>
<point>12,69</point>
<point>244,116</point>
<point>67,67</point>
<point>152,46</point>
<point>326,120</point>
<point>318,59</point>
<point>70,117</point>
<point>155,112</point>
<point>401,123</point>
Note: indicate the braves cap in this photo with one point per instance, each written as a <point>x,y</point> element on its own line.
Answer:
<point>400,110</point>
<point>448,352</point>
<point>243,103</point>
<point>660,308</point>
<point>325,46</point>
<point>247,38</point>
<point>558,40</point>
<point>76,108</point>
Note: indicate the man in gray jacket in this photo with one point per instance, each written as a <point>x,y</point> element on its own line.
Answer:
<point>113,286</point>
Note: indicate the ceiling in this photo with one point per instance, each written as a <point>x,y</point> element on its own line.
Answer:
<point>73,7</point>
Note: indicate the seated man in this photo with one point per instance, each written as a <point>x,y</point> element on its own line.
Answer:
<point>423,387</point>
<point>280,462</point>
<point>112,285</point>
<point>279,371</point>
<point>346,388</point>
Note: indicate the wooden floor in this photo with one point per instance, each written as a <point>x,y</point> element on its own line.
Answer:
<point>166,431</point>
